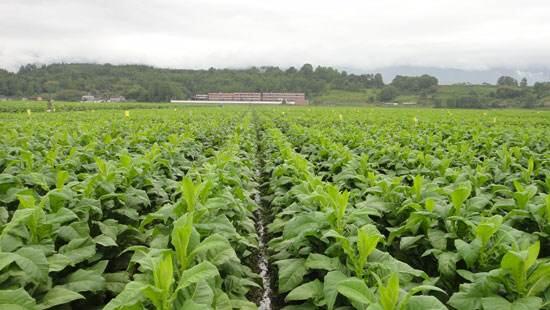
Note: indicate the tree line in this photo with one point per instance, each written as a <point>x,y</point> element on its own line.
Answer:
<point>145,83</point>
<point>69,82</point>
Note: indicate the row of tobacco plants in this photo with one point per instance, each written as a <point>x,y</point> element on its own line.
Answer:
<point>119,210</point>
<point>363,209</point>
<point>409,210</point>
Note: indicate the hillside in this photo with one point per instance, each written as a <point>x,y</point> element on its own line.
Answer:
<point>322,85</point>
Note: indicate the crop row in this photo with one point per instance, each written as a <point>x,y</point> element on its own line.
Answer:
<point>363,209</point>
<point>474,219</point>
<point>91,212</point>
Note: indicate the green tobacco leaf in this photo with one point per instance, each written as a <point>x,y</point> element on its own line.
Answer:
<point>291,273</point>
<point>527,303</point>
<point>78,250</point>
<point>131,295</point>
<point>200,272</point>
<point>468,251</point>
<point>222,301</point>
<point>84,281</point>
<point>319,261</point>
<point>58,295</point>
<point>389,294</point>
<point>306,306</point>
<point>115,282</point>
<point>105,241</point>
<point>303,224</point>
<point>330,291</point>
<point>539,280</point>
<point>192,305</point>
<point>203,294</point>
<point>215,249</point>
<point>437,239</point>
<point>58,262</point>
<point>447,263</point>
<point>367,239</point>
<point>31,261</point>
<point>163,273</point>
<point>309,290</point>
<point>181,234</point>
<point>408,242</point>
<point>459,196</point>
<point>487,228</point>
<point>17,299</point>
<point>425,303</point>
<point>496,303</point>
<point>356,290</point>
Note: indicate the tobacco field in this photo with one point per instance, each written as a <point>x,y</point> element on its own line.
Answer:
<point>275,208</point>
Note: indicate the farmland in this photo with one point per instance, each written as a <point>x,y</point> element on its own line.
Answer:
<point>277,208</point>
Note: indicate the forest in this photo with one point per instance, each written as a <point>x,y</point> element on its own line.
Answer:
<point>69,82</point>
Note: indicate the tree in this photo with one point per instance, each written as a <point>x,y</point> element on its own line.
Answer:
<point>523,83</point>
<point>507,92</point>
<point>425,83</point>
<point>291,70</point>
<point>528,100</point>
<point>307,70</point>
<point>507,81</point>
<point>378,81</point>
<point>388,93</point>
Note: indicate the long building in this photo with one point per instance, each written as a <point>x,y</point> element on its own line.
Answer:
<point>289,98</point>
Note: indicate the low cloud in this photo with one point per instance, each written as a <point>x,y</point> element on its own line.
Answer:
<point>204,33</point>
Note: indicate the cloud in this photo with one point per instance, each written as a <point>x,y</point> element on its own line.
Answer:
<point>203,33</point>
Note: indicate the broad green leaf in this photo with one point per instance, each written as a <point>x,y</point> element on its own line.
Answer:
<point>468,251</point>
<point>539,280</point>
<point>330,284</point>
<point>319,261</point>
<point>78,250</point>
<point>17,299</point>
<point>116,281</point>
<point>215,249</point>
<point>424,303</point>
<point>309,290</point>
<point>496,303</point>
<point>105,240</point>
<point>58,295</point>
<point>200,272</point>
<point>84,281</point>
<point>58,262</point>
<point>130,295</point>
<point>527,303</point>
<point>356,290</point>
<point>33,263</point>
<point>291,273</point>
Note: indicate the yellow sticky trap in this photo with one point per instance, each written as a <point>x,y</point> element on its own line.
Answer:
<point>494,119</point>
<point>29,112</point>
<point>415,120</point>
<point>127,113</point>
<point>340,117</point>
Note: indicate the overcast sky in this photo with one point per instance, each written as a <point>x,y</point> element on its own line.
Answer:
<point>465,34</point>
